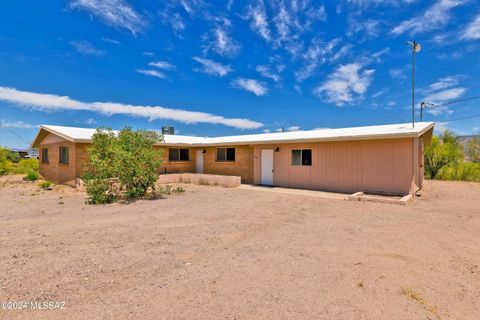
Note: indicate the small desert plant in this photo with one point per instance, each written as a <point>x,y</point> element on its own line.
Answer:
<point>45,184</point>
<point>411,294</point>
<point>203,182</point>
<point>31,176</point>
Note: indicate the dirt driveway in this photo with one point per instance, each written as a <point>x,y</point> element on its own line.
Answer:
<point>217,253</point>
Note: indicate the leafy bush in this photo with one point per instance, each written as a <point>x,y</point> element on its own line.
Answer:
<point>443,151</point>
<point>31,176</point>
<point>473,149</point>
<point>126,164</point>
<point>464,171</point>
<point>26,165</point>
<point>45,184</point>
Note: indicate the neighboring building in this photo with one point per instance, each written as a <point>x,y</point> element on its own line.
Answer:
<point>377,159</point>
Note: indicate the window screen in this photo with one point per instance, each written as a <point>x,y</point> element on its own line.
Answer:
<point>175,154</point>
<point>302,157</point>
<point>64,156</point>
<point>225,154</point>
<point>45,155</point>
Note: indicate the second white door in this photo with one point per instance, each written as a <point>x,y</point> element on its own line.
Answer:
<point>199,162</point>
<point>267,167</point>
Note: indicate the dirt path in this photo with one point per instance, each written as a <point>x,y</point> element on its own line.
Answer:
<point>217,253</point>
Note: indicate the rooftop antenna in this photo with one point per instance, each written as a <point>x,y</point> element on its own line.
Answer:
<point>416,47</point>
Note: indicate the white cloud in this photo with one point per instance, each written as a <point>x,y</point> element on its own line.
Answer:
<point>259,20</point>
<point>112,41</point>
<point>472,31</point>
<point>251,85</point>
<point>115,13</point>
<point>220,41</point>
<point>293,128</point>
<point>441,91</point>
<point>398,73</point>
<point>17,125</point>
<point>213,68</point>
<point>267,72</point>
<point>86,48</point>
<point>443,83</point>
<point>51,102</point>
<point>370,3</point>
<point>164,65</point>
<point>434,17</point>
<point>152,73</point>
<point>346,84</point>
<point>317,53</point>
<point>370,27</point>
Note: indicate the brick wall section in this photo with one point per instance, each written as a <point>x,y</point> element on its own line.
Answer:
<point>242,166</point>
<point>54,170</point>
<point>177,166</point>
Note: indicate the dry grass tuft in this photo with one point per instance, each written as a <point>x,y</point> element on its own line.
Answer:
<point>411,294</point>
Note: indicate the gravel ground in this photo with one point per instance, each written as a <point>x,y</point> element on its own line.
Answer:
<point>218,253</point>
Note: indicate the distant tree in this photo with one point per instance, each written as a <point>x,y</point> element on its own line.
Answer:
<point>125,163</point>
<point>445,150</point>
<point>473,149</point>
<point>13,156</point>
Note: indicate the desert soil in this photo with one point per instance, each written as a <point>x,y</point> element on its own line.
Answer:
<point>218,253</point>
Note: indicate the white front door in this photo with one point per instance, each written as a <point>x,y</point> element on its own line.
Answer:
<point>199,162</point>
<point>266,168</point>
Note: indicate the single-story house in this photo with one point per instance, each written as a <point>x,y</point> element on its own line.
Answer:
<point>378,159</point>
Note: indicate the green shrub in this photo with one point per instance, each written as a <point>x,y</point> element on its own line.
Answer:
<point>45,184</point>
<point>26,165</point>
<point>124,165</point>
<point>463,171</point>
<point>31,176</point>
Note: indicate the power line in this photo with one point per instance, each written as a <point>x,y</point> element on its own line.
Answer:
<point>458,119</point>
<point>430,106</point>
<point>14,133</point>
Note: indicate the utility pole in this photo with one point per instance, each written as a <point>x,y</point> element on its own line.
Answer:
<point>416,47</point>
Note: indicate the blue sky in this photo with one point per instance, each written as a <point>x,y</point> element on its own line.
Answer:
<point>234,67</point>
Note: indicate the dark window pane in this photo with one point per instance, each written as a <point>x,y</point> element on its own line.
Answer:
<point>230,154</point>
<point>45,155</point>
<point>296,157</point>
<point>184,155</point>
<point>63,154</point>
<point>221,154</point>
<point>173,154</point>
<point>306,157</point>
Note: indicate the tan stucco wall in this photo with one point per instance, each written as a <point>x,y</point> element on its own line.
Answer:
<point>53,170</point>
<point>370,165</point>
<point>242,166</point>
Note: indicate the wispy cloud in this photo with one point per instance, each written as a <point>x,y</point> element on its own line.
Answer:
<point>256,87</point>
<point>317,53</point>
<point>293,128</point>
<point>18,125</point>
<point>51,102</point>
<point>112,41</point>
<point>346,85</point>
<point>370,3</point>
<point>472,31</point>
<point>212,68</point>
<point>86,48</point>
<point>220,41</point>
<point>115,13</point>
<point>259,20</point>
<point>152,73</point>
<point>164,65</point>
<point>434,17</point>
<point>441,91</point>
<point>267,72</point>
